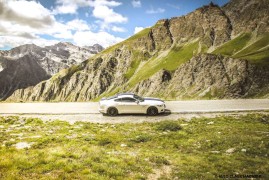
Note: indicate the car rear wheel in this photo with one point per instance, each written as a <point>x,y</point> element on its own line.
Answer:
<point>112,111</point>
<point>152,111</point>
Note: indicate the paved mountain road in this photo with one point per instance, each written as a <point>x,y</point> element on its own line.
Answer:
<point>201,106</point>
<point>88,111</point>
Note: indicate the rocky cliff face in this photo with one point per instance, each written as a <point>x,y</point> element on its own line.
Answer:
<point>22,73</point>
<point>28,65</point>
<point>204,76</point>
<point>207,76</point>
<point>170,60</point>
<point>248,15</point>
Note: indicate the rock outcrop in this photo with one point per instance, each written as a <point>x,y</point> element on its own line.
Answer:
<point>208,76</point>
<point>248,15</point>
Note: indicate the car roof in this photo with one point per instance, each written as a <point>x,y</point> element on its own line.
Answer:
<point>121,95</point>
<point>125,95</point>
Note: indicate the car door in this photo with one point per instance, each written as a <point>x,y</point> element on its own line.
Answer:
<point>129,105</point>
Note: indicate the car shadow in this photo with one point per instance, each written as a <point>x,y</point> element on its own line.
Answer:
<point>167,112</point>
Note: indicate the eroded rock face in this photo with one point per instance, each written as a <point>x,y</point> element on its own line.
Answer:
<point>204,76</point>
<point>19,74</point>
<point>248,15</point>
<point>208,76</point>
<point>209,23</point>
<point>89,81</point>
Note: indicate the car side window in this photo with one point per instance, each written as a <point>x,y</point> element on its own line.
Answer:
<point>118,100</point>
<point>127,99</point>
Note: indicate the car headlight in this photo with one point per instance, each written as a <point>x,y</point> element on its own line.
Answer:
<point>160,105</point>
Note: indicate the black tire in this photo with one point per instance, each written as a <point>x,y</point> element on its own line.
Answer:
<point>152,111</point>
<point>112,111</point>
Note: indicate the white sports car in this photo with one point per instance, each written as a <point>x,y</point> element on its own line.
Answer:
<point>126,103</point>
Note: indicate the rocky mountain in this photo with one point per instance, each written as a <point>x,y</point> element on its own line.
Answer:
<point>213,52</point>
<point>29,64</point>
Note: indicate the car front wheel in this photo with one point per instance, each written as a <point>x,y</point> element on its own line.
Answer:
<point>152,111</point>
<point>112,111</point>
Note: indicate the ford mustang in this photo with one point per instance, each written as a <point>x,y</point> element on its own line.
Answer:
<point>129,103</point>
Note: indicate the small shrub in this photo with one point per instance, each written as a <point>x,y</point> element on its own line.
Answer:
<point>34,121</point>
<point>104,141</point>
<point>141,138</point>
<point>168,126</point>
<point>159,160</point>
<point>10,119</point>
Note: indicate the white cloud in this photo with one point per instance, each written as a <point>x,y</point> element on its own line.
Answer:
<point>104,3</point>
<point>108,15</point>
<point>78,24</point>
<point>136,3</point>
<point>118,29</point>
<point>155,11</point>
<point>105,39</point>
<point>30,13</point>
<point>26,22</point>
<point>13,41</point>
<point>138,29</point>
<point>69,6</point>
<point>66,9</point>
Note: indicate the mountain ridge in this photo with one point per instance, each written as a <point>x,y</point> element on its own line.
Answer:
<point>163,49</point>
<point>15,74</point>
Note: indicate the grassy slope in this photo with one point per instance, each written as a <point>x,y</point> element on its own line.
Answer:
<point>174,57</point>
<point>193,149</point>
<point>247,46</point>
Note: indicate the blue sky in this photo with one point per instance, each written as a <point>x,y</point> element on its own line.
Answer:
<point>84,22</point>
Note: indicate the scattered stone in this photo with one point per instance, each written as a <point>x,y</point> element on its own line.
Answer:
<point>183,124</point>
<point>243,150</point>
<point>215,152</point>
<point>123,145</point>
<point>1,126</point>
<point>72,136</point>
<point>210,123</point>
<point>22,145</point>
<point>51,131</point>
<point>19,135</point>
<point>230,151</point>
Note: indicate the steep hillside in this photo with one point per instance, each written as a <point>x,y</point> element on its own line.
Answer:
<point>29,64</point>
<point>167,60</point>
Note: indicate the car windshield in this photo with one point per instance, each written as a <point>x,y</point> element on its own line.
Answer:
<point>138,98</point>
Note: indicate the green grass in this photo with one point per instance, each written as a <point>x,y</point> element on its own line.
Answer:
<point>260,43</point>
<point>247,47</point>
<point>175,57</point>
<point>138,35</point>
<point>193,149</point>
<point>233,46</point>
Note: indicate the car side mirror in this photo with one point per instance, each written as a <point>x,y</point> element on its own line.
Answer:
<point>137,102</point>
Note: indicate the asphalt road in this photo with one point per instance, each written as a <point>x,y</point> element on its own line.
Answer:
<point>176,107</point>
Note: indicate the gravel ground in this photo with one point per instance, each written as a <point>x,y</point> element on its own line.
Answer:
<point>98,118</point>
